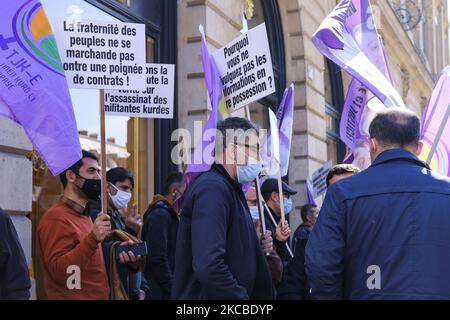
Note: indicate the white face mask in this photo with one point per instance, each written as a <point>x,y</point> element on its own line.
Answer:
<point>121,198</point>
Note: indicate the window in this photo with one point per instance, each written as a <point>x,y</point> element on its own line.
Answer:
<point>334,100</point>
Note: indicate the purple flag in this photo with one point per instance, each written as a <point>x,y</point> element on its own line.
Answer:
<point>436,119</point>
<point>200,162</point>
<point>337,39</point>
<point>349,38</point>
<point>285,118</point>
<point>33,88</point>
<point>310,193</point>
<point>352,131</point>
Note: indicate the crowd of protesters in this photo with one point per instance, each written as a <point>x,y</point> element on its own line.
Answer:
<point>381,233</point>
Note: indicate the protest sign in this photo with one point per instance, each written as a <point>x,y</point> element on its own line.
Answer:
<point>102,55</point>
<point>319,179</point>
<point>156,101</point>
<point>245,68</point>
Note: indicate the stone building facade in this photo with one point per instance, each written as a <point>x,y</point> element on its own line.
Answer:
<point>417,52</point>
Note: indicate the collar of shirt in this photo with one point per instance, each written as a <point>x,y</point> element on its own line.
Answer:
<point>78,208</point>
<point>398,155</point>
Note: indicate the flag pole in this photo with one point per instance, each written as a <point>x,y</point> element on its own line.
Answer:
<point>438,135</point>
<point>103,151</point>
<point>275,224</point>
<point>280,192</point>
<point>258,189</point>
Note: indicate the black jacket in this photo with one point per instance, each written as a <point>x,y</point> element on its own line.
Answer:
<point>159,231</point>
<point>280,246</point>
<point>301,235</point>
<point>294,285</point>
<point>218,254</point>
<point>14,277</point>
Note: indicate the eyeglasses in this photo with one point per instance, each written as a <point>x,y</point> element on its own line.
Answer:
<point>252,147</point>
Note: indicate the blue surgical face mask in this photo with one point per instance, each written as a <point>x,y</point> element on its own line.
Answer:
<point>287,206</point>
<point>249,172</point>
<point>254,212</point>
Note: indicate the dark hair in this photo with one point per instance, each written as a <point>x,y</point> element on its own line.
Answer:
<point>173,178</point>
<point>306,210</point>
<point>117,174</point>
<point>235,123</point>
<point>396,127</point>
<point>339,169</point>
<point>76,166</point>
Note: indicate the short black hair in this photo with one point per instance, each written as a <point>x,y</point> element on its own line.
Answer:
<point>396,127</point>
<point>235,123</point>
<point>117,174</point>
<point>173,178</point>
<point>76,166</point>
<point>306,210</point>
<point>339,169</point>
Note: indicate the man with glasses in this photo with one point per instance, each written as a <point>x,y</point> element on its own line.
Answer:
<point>218,254</point>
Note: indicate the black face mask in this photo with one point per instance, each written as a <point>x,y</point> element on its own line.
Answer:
<point>92,188</point>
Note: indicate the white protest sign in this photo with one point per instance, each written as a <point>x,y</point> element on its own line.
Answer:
<point>102,55</point>
<point>319,179</point>
<point>156,101</point>
<point>245,67</point>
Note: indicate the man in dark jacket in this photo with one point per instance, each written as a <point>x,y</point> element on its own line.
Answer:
<point>218,253</point>
<point>309,214</point>
<point>120,185</point>
<point>160,232</point>
<point>384,233</point>
<point>14,278</point>
<point>269,191</point>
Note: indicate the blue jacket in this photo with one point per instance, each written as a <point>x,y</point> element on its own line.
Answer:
<point>383,234</point>
<point>218,255</point>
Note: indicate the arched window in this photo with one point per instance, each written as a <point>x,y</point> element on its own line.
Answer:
<point>334,101</point>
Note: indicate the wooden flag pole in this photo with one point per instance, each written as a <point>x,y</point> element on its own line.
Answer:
<point>280,192</point>
<point>275,224</point>
<point>103,151</point>
<point>258,190</point>
<point>438,135</point>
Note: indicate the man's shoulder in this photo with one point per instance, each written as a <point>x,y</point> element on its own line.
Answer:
<point>56,213</point>
<point>388,179</point>
<point>4,217</point>
<point>211,181</point>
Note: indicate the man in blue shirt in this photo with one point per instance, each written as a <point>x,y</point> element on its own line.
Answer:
<point>385,232</point>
